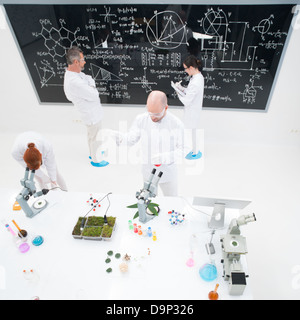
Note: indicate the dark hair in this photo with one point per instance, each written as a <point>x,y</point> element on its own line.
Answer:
<point>73,54</point>
<point>192,61</point>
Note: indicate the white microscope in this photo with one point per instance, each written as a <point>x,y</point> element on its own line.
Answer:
<point>233,246</point>
<point>149,190</point>
<point>28,191</point>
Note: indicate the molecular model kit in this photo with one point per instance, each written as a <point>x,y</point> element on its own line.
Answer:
<point>94,203</point>
<point>176,218</point>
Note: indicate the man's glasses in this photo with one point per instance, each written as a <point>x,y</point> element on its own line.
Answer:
<point>157,115</point>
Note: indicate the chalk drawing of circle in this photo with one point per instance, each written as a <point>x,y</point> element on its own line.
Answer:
<point>213,21</point>
<point>166,30</point>
<point>264,26</point>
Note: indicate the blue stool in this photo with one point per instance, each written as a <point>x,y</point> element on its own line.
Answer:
<point>193,156</point>
<point>99,164</point>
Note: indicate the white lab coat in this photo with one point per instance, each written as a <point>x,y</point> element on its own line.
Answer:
<point>81,90</point>
<point>45,148</point>
<point>192,98</point>
<point>161,143</point>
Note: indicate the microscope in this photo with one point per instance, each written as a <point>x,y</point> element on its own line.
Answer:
<point>29,190</point>
<point>233,246</point>
<point>149,190</point>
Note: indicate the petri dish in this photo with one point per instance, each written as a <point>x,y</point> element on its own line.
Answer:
<point>37,241</point>
<point>24,247</point>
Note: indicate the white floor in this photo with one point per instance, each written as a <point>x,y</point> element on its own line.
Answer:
<point>267,175</point>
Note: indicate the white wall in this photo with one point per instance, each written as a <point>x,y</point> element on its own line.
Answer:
<point>280,125</point>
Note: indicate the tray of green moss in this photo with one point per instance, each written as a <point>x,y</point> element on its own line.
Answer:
<point>108,229</point>
<point>77,233</point>
<point>107,232</point>
<point>92,233</point>
<point>94,228</point>
<point>94,221</point>
<point>111,221</point>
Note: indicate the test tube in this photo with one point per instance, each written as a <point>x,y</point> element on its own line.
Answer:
<point>154,237</point>
<point>10,230</point>
<point>149,232</point>
<point>135,229</point>
<point>140,232</point>
<point>130,225</point>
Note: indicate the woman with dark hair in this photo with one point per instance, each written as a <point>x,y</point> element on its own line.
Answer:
<point>192,98</point>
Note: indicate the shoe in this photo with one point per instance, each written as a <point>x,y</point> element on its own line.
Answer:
<point>100,164</point>
<point>193,156</point>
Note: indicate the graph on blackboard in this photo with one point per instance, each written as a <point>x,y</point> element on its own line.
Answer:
<point>131,50</point>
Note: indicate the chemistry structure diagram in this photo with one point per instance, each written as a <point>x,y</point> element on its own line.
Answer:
<point>164,30</point>
<point>56,41</point>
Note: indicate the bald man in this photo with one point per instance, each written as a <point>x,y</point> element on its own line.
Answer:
<point>162,141</point>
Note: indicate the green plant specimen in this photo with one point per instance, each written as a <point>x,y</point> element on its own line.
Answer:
<point>107,231</point>
<point>108,260</point>
<point>92,232</point>
<point>153,207</point>
<point>76,231</point>
<point>111,221</point>
<point>95,221</point>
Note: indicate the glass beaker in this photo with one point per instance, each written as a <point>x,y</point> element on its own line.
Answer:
<point>208,272</point>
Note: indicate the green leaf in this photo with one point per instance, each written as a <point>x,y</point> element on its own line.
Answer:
<point>153,210</point>
<point>152,205</point>
<point>133,206</point>
<point>136,215</point>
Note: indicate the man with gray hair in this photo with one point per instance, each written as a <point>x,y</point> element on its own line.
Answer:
<point>81,90</point>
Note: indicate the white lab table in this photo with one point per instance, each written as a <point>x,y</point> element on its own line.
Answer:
<point>68,268</point>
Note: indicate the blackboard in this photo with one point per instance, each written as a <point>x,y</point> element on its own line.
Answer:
<point>131,50</point>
